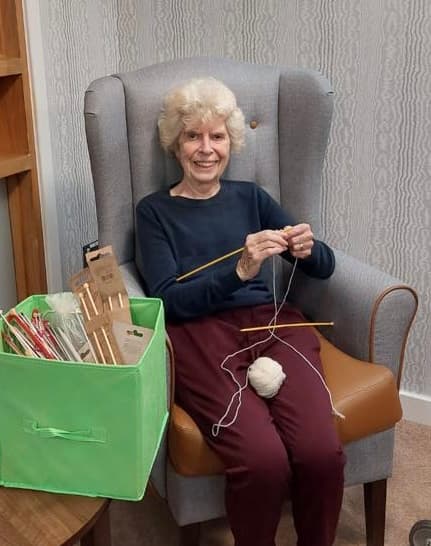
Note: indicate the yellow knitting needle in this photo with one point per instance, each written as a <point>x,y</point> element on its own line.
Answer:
<point>216,261</point>
<point>290,325</point>
<point>212,262</point>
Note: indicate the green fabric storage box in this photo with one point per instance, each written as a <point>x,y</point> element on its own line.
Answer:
<point>87,429</point>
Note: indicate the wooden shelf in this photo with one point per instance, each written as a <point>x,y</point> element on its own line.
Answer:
<point>17,153</point>
<point>14,164</point>
<point>10,66</point>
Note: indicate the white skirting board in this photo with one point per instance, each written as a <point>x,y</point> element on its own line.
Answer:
<point>416,407</point>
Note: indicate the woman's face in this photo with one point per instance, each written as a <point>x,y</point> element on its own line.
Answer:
<point>203,151</point>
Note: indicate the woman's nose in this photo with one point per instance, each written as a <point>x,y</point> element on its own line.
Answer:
<point>206,144</point>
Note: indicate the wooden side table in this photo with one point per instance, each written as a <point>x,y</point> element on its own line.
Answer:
<point>36,518</point>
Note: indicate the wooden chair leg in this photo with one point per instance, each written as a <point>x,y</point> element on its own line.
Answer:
<point>375,512</point>
<point>190,534</point>
<point>100,533</point>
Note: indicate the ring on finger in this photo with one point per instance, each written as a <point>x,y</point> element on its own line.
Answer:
<point>301,246</point>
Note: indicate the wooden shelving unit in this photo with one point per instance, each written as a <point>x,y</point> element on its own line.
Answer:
<point>17,155</point>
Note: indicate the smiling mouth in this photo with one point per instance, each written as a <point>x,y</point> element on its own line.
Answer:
<point>205,164</point>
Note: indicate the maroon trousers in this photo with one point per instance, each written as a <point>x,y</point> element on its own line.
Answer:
<point>285,446</point>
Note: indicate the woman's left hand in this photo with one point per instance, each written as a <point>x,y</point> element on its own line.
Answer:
<point>300,239</point>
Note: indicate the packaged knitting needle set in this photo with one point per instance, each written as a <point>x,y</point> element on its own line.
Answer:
<point>91,324</point>
<point>83,403</point>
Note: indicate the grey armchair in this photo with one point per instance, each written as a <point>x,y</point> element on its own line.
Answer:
<point>288,113</point>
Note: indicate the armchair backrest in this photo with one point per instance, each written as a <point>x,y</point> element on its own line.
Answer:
<point>288,115</point>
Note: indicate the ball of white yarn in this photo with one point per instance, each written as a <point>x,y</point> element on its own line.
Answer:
<point>266,376</point>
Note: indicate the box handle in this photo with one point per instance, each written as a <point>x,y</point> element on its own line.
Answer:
<point>94,435</point>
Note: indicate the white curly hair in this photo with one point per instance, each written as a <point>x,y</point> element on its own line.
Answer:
<point>200,100</point>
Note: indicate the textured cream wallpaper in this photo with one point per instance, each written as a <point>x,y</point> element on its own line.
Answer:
<point>377,192</point>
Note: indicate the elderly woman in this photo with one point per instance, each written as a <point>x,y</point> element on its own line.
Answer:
<point>284,446</point>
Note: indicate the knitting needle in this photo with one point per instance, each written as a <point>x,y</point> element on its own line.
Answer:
<point>68,344</point>
<point>87,315</point>
<point>63,346</point>
<point>9,341</point>
<point>96,312</point>
<point>27,348</point>
<point>120,300</point>
<point>84,332</point>
<point>217,260</point>
<point>209,264</point>
<point>39,326</point>
<point>30,333</point>
<point>290,325</point>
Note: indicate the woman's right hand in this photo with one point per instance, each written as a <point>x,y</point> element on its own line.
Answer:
<point>258,247</point>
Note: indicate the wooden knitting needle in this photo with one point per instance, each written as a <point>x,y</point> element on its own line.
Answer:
<point>290,325</point>
<point>209,264</point>
<point>88,317</point>
<point>120,300</point>
<point>96,312</point>
<point>217,260</point>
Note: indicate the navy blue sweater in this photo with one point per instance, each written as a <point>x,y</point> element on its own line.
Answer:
<point>177,234</point>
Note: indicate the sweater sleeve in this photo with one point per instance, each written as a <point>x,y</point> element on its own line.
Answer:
<point>321,263</point>
<point>188,299</point>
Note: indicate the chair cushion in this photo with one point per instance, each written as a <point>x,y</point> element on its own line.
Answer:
<point>190,455</point>
<point>365,393</point>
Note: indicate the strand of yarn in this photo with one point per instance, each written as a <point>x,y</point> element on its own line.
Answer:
<point>334,410</point>
<point>265,374</point>
<point>237,395</point>
<point>306,360</point>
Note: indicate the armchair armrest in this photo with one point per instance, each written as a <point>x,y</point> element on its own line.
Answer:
<point>372,310</point>
<point>131,279</point>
